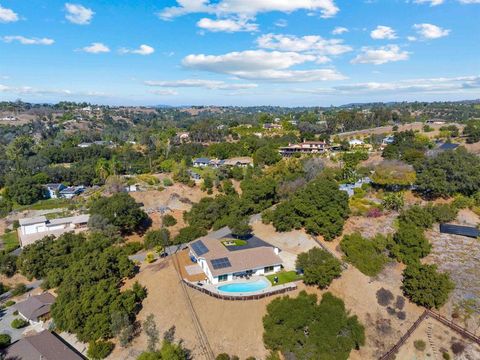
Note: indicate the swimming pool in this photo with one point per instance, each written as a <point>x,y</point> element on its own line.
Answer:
<point>244,287</point>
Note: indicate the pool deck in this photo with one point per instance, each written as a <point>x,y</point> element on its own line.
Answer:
<point>212,290</point>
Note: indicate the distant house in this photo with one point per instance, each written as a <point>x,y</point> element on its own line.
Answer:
<point>307,147</point>
<point>350,188</point>
<point>8,118</point>
<point>435,121</point>
<point>42,346</point>
<point>98,143</point>
<point>272,126</point>
<point>388,140</point>
<point>239,161</point>
<point>194,175</point>
<point>34,229</point>
<point>184,136</point>
<point>201,162</point>
<point>221,262</point>
<point>54,190</point>
<point>71,191</point>
<point>215,163</point>
<point>35,308</point>
<point>442,147</point>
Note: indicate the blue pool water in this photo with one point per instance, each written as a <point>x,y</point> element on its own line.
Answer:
<point>245,287</point>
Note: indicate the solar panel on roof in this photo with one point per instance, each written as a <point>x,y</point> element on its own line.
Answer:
<point>221,263</point>
<point>199,248</point>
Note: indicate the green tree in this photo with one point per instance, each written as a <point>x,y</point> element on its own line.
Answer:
<point>320,207</point>
<point>448,173</point>
<point>472,131</point>
<point>300,328</point>
<point>423,285</point>
<point>319,267</point>
<point>122,211</point>
<point>410,243</point>
<point>153,238</point>
<point>150,328</point>
<point>266,155</point>
<point>169,220</point>
<point>98,350</point>
<point>367,255</point>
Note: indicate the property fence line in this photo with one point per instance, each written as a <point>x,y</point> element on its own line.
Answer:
<point>202,336</point>
<point>282,290</point>
<point>430,313</point>
<point>404,338</point>
<point>317,240</point>
<point>462,331</point>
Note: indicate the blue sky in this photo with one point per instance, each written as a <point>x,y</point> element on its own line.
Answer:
<point>237,52</point>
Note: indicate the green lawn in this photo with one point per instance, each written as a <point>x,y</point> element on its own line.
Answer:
<point>234,242</point>
<point>284,277</point>
<point>10,241</point>
<point>45,205</point>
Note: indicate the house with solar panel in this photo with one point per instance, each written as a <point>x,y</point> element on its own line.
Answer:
<point>223,259</point>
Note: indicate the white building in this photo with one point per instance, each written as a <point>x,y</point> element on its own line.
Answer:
<point>222,262</point>
<point>34,229</point>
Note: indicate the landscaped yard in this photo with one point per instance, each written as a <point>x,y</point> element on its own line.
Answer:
<point>10,241</point>
<point>284,277</point>
<point>234,242</point>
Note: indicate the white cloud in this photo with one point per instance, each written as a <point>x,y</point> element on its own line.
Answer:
<point>310,44</point>
<point>96,48</point>
<point>164,92</point>
<point>339,30</point>
<point>261,65</point>
<point>382,55</point>
<point>383,32</point>
<point>142,50</point>
<point>28,41</point>
<point>453,85</point>
<point>78,14</point>
<point>469,1</point>
<point>227,25</point>
<point>28,90</point>
<point>199,83</point>
<point>327,8</point>
<point>431,2</point>
<point>430,31</point>
<point>434,85</point>
<point>7,15</point>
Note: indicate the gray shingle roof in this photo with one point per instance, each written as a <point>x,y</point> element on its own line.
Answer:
<point>35,306</point>
<point>44,345</point>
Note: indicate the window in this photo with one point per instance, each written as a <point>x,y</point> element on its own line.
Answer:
<point>268,269</point>
<point>222,278</point>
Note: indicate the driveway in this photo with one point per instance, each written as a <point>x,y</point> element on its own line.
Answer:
<point>6,318</point>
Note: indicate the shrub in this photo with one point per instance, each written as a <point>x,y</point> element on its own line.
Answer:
<point>420,345</point>
<point>19,289</point>
<point>5,340</point>
<point>374,213</point>
<point>19,323</point>
<point>445,355</point>
<point>409,243</point>
<point>458,348</point>
<point>169,220</point>
<point>393,201</point>
<point>167,182</point>
<point>463,202</point>
<point>98,350</point>
<point>150,258</point>
<point>443,213</point>
<point>423,285</point>
<point>367,255</point>
<point>155,238</point>
<point>419,216</point>
<point>223,356</point>
<point>384,297</point>
<point>9,303</point>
